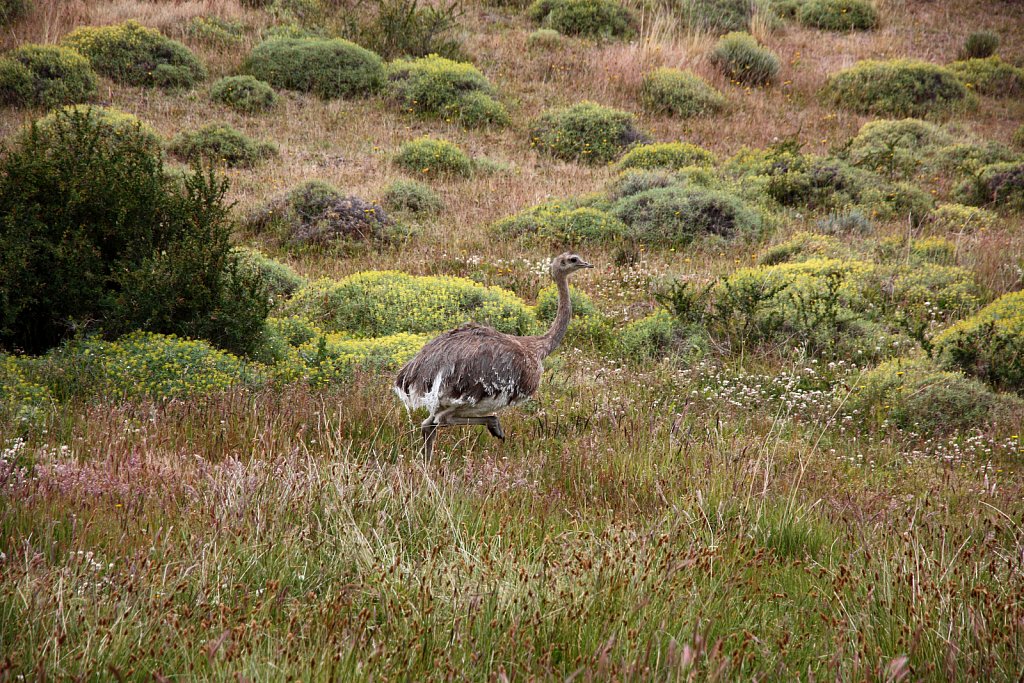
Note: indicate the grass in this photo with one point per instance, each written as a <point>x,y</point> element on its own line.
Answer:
<point>716,515</point>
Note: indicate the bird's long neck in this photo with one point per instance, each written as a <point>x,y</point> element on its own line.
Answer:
<point>553,337</point>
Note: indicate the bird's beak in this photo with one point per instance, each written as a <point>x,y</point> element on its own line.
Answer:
<point>586,265</point>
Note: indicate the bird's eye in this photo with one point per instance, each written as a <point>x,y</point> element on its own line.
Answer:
<point>575,259</point>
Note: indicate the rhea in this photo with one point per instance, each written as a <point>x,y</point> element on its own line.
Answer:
<point>466,375</point>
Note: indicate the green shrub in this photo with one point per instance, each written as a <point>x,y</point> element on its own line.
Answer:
<point>221,142</point>
<point>963,159</point>
<point>45,76</point>
<point>851,222</point>
<point>588,18</point>
<point>995,185</point>
<point>113,126</point>
<point>317,213</point>
<point>378,303</point>
<point>216,32</point>
<point>545,39</point>
<point>246,94</point>
<point>633,181</point>
<point>97,236</point>
<point>1018,137</point>
<point>669,155</point>
<point>900,87</point>
<point>547,304</point>
<point>679,93</point>
<point>431,157</point>
<point>988,345</point>
<point>408,28</point>
<point>411,196</point>
<point>838,15</point>
<point>562,223</point>
<point>804,246</point>
<point>677,215</point>
<point>912,395</point>
<point>648,338</point>
<point>990,76</point>
<point>717,16</point>
<point>24,402</point>
<point>327,68</point>
<point>895,148</point>
<point>277,278</point>
<point>12,10</point>
<point>136,55</point>
<point>961,218</point>
<point>980,44</point>
<point>438,87</point>
<point>585,132</point>
<point>739,56</point>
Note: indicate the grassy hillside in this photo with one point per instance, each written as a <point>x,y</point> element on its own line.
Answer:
<point>782,440</point>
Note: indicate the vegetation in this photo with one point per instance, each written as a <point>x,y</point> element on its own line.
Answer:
<point>980,44</point>
<point>438,87</point>
<point>45,76</point>
<point>412,196</point>
<point>990,76</point>
<point>318,213</point>
<point>1000,184</point>
<point>244,93</point>
<point>221,142</point>
<point>718,16</point>
<point>895,148</point>
<point>672,155</point>
<point>276,278</point>
<point>679,93</point>
<point>900,87</point>
<point>739,56</point>
<point>431,157</point>
<point>586,132</point>
<point>327,68</point>
<point>407,28</point>
<point>838,15</point>
<point>133,54</point>
<point>990,344</point>
<point>588,18</point>
<point>562,223</point>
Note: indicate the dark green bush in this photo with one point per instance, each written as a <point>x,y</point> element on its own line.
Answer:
<point>648,338</point>
<point>11,10</point>
<point>838,15</point>
<point>94,234</point>
<point>678,215</point>
<point>900,87</point>
<point>995,185</point>
<point>669,155</point>
<point>55,75</point>
<point>430,157</point>
<point>718,16</point>
<point>980,44</point>
<point>1018,137</point>
<point>136,55</point>
<point>895,148</point>
<point>963,159</point>
<point>587,18</point>
<point>439,87</point>
<point>562,223</point>
<point>989,345</point>
<point>679,93</point>
<point>221,142</point>
<point>326,68</point>
<point>408,28</point>
<point>411,196</point>
<point>633,181</point>
<point>990,76</point>
<point>244,93</point>
<point>317,213</point>
<point>585,132</point>
<point>743,60</point>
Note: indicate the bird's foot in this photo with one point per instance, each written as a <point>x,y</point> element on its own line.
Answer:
<point>494,427</point>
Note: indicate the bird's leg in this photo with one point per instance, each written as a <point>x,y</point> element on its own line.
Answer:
<point>429,431</point>
<point>490,421</point>
<point>494,427</point>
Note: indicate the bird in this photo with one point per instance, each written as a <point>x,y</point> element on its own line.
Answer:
<point>466,375</point>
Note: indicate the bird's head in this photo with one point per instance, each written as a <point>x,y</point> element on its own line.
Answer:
<point>567,263</point>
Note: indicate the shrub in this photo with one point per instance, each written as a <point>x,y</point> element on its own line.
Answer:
<point>634,181</point>
<point>988,345</point>
<point>334,358</point>
<point>97,236</point>
<point>411,196</point>
<point>670,155</point>
<point>838,15</point>
<point>277,278</point>
<point>405,28</point>
<point>12,10</point>
<point>216,32</point>
<point>136,55</point>
<point>317,213</point>
<point>912,395</point>
<point>980,44</point>
<point>968,158</point>
<point>562,223</point>
<point>739,56</point>
<point>995,185</point>
<point>547,304</point>
<point>679,93</point>
<point>852,222</point>
<point>990,76</point>
<point>377,303</point>
<point>246,94</point>
<point>960,218</point>
<point>23,401</point>
<point>585,132</point>
<point>439,87</point>
<point>718,16</point>
<point>901,87</point>
<point>648,338</point>
<point>327,68</point>
<point>432,157</point>
<point>221,142</point>
<point>588,18</point>
<point>895,148</point>
<point>46,76</point>
<point>677,215</point>
<point>804,246</point>
<point>544,39</point>
<point>113,126</point>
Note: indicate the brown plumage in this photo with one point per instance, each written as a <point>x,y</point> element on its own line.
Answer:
<point>466,375</point>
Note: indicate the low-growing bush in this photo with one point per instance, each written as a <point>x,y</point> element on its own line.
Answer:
<point>328,68</point>
<point>717,16</point>
<point>378,303</point>
<point>678,215</point>
<point>23,402</point>
<point>586,132</point>
<point>407,28</point>
<point>1018,137</point>
<point>411,196</point>
<point>333,358</point>
<point>562,223</point>
<point>900,87</point>
<point>587,18</point>
<point>246,94</point>
<point>648,338</point>
<point>668,155</point>
<point>12,10</point>
<point>960,218</point>
<point>45,76</point>
<point>317,213</point>
<point>221,142</point>
<point>743,60</point>
<point>113,126</point>
<point>988,345</point>
<point>990,76</point>
<point>851,222</point>
<point>980,44</point>
<point>804,246</point>
<point>133,54</point>
<point>547,304</point>
<point>633,181</point>
<point>432,157</point>
<point>279,279</point>
<point>679,93</point>
<point>838,15</point>
<point>545,39</point>
<point>216,32</point>
<point>895,148</point>
<point>962,159</point>
<point>997,185</point>
<point>439,87</point>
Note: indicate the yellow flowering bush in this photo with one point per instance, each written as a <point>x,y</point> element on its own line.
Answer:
<point>432,157</point>
<point>671,155</point>
<point>114,126</point>
<point>988,345</point>
<point>990,76</point>
<point>433,86</point>
<point>332,358</point>
<point>22,401</point>
<point>898,87</point>
<point>803,246</point>
<point>962,218</point>
<point>562,223</point>
<point>45,75</point>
